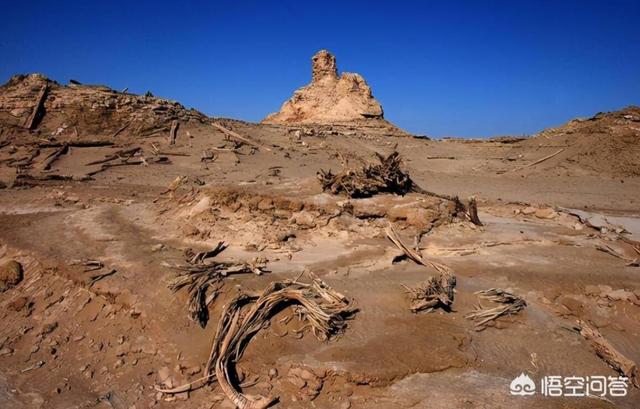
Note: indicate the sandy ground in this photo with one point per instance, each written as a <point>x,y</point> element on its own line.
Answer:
<point>68,344</point>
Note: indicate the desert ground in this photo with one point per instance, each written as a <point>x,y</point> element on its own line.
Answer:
<point>108,197</point>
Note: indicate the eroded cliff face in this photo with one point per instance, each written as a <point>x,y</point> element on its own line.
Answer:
<point>329,98</point>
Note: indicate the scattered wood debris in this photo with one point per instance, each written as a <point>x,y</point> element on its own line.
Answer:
<point>436,292</point>
<point>205,280</point>
<point>510,304</point>
<point>633,262</point>
<point>323,310</point>
<point>608,352</point>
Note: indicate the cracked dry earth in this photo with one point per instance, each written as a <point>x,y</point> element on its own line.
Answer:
<point>68,343</point>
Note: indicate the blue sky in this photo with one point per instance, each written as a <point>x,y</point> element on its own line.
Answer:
<point>447,68</point>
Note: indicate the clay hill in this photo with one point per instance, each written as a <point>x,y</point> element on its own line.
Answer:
<point>34,102</point>
<point>154,257</point>
<point>607,144</point>
<point>330,98</point>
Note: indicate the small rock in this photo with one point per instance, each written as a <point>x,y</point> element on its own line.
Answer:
<point>546,213</point>
<point>157,247</point>
<point>6,351</point>
<point>528,210</point>
<point>194,370</point>
<point>297,382</point>
<point>304,219</point>
<point>621,295</point>
<point>11,274</point>
<point>273,373</point>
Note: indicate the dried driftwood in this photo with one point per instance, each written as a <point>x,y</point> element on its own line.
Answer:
<point>204,281</point>
<point>608,352</point>
<point>323,310</point>
<point>436,292</point>
<point>509,304</point>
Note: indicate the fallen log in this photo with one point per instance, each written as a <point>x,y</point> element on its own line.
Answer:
<point>142,161</point>
<point>605,350</point>
<point>35,113</point>
<point>122,154</point>
<point>116,133</point>
<point>76,144</point>
<point>236,135</point>
<point>46,164</point>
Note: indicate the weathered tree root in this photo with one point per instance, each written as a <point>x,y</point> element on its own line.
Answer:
<point>436,292</point>
<point>323,309</point>
<point>205,280</point>
<point>386,176</point>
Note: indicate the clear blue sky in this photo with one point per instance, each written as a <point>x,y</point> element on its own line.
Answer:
<point>463,68</point>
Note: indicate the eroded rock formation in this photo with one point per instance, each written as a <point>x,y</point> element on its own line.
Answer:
<point>329,98</point>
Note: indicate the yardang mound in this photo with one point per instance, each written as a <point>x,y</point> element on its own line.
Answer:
<point>330,98</point>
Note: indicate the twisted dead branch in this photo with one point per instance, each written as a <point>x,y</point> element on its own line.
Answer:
<point>414,255</point>
<point>510,304</point>
<point>320,307</point>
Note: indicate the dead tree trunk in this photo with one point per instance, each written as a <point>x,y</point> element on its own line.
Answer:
<point>173,133</point>
<point>32,121</point>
